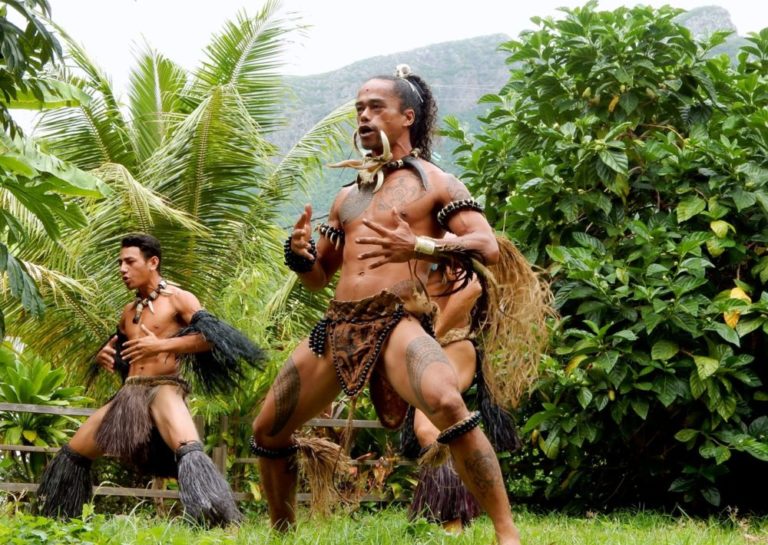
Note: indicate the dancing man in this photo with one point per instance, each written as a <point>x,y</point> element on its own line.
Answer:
<point>383,233</point>
<point>465,325</point>
<point>147,424</point>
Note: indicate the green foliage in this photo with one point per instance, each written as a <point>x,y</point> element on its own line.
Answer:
<point>187,161</point>
<point>33,381</point>
<point>633,167</point>
<point>34,187</point>
<point>23,55</point>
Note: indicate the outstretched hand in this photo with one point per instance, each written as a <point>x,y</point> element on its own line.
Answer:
<point>395,245</point>
<point>302,232</point>
<point>142,347</point>
<point>106,356</point>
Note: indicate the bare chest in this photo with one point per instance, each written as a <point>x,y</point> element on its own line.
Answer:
<point>402,191</point>
<point>161,319</point>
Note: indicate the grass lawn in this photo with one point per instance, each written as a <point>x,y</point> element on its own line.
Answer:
<point>386,527</point>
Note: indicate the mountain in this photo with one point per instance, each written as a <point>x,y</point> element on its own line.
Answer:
<point>459,72</point>
<point>705,20</point>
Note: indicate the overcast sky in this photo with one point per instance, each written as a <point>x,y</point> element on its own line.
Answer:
<point>342,31</point>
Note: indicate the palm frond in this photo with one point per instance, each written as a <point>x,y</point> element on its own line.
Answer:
<point>211,168</point>
<point>95,132</point>
<point>246,54</point>
<point>307,154</point>
<point>139,203</point>
<point>156,86</point>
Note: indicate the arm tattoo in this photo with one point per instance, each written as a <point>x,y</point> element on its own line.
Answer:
<point>355,203</point>
<point>420,354</point>
<point>286,391</point>
<point>457,190</point>
<point>483,470</point>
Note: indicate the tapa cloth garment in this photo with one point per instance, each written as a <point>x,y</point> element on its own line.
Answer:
<point>356,332</point>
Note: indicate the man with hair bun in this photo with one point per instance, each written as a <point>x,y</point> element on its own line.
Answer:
<point>384,232</point>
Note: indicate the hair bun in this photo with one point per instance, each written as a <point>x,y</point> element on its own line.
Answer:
<point>403,71</point>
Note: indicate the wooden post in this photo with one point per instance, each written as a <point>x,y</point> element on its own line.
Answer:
<point>220,451</point>
<point>200,425</point>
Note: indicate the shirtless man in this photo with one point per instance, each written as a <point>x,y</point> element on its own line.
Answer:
<point>382,234</point>
<point>147,423</point>
<point>440,495</point>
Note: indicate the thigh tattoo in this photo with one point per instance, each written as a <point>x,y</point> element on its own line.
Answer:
<point>286,391</point>
<point>420,354</point>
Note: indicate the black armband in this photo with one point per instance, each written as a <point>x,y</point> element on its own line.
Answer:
<point>273,454</point>
<point>445,213</point>
<point>220,369</point>
<point>298,263</point>
<point>459,428</point>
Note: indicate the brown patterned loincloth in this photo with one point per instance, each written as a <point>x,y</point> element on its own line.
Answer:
<point>128,431</point>
<point>357,332</point>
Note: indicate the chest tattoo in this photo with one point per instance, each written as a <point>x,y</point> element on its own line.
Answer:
<point>399,192</point>
<point>355,203</point>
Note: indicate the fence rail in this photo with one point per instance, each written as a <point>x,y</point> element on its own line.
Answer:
<point>219,454</point>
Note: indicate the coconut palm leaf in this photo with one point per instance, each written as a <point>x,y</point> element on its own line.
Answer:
<point>156,89</point>
<point>191,165</point>
<point>211,169</point>
<point>96,131</point>
<point>246,55</point>
<point>306,157</point>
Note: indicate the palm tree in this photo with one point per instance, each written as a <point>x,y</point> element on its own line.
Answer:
<point>186,159</point>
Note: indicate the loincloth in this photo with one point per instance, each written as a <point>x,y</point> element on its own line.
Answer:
<point>357,332</point>
<point>128,431</point>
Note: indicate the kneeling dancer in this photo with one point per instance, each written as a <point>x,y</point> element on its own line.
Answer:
<point>383,232</point>
<point>147,424</point>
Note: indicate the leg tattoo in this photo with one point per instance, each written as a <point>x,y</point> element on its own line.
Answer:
<point>482,469</point>
<point>420,354</point>
<point>286,391</point>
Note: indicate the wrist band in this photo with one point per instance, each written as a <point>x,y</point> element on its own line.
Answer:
<point>425,245</point>
<point>299,263</point>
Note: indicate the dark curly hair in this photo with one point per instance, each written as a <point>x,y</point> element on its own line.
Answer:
<point>422,101</point>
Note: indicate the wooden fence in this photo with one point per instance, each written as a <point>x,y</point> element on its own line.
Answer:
<point>218,455</point>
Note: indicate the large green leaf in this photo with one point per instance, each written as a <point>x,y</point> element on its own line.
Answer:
<point>46,94</point>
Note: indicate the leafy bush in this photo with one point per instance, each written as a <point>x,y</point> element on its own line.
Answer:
<point>32,381</point>
<point>633,165</point>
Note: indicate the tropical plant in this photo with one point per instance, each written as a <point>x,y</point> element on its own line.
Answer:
<point>187,159</point>
<point>33,381</point>
<point>635,168</point>
<point>35,188</point>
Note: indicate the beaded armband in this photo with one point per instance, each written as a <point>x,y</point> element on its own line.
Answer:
<point>298,263</point>
<point>459,428</point>
<point>334,235</point>
<point>272,454</point>
<point>451,208</point>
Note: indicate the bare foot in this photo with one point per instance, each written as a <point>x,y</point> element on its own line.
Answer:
<point>453,526</point>
<point>512,537</point>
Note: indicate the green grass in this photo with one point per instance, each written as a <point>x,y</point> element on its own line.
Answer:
<point>387,527</point>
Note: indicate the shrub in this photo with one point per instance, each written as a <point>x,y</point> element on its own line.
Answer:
<point>633,166</point>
